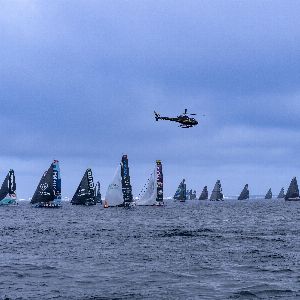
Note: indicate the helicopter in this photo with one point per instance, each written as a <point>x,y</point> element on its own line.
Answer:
<point>184,119</point>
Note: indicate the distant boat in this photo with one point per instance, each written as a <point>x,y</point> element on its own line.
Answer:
<point>85,193</point>
<point>245,193</point>
<point>8,190</point>
<point>204,194</point>
<point>217,194</point>
<point>281,194</point>
<point>292,193</point>
<point>269,194</point>
<point>193,195</point>
<point>181,192</point>
<point>153,193</point>
<point>98,193</point>
<point>48,192</point>
<point>119,192</point>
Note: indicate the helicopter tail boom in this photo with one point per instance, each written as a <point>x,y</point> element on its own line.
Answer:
<point>157,116</point>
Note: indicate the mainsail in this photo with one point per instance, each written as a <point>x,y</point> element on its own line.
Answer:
<point>159,183</point>
<point>153,193</point>
<point>8,189</point>
<point>217,194</point>
<point>204,194</point>
<point>126,186</point>
<point>181,192</point>
<point>48,192</point>
<point>85,194</point>
<point>245,193</point>
<point>292,193</point>
<point>281,194</point>
<point>98,193</point>
<point>269,194</point>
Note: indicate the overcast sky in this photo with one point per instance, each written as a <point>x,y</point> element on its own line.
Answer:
<point>79,81</point>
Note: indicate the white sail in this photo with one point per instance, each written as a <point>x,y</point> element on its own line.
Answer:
<point>150,194</point>
<point>114,195</point>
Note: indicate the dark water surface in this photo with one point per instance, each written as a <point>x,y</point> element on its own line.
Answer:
<point>213,250</point>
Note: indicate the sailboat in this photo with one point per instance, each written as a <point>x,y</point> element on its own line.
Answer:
<point>85,193</point>
<point>153,193</point>
<point>204,194</point>
<point>48,191</point>
<point>244,193</point>
<point>119,192</point>
<point>269,194</point>
<point>217,194</point>
<point>292,193</point>
<point>281,194</point>
<point>8,190</point>
<point>181,192</point>
<point>98,193</point>
<point>193,195</point>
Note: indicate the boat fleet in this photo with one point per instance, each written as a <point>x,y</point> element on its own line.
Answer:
<point>119,191</point>
<point>217,194</point>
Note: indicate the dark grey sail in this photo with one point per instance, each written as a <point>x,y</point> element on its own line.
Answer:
<point>204,194</point>
<point>281,194</point>
<point>181,192</point>
<point>269,194</point>
<point>48,191</point>
<point>98,193</point>
<point>245,193</point>
<point>126,186</point>
<point>85,194</point>
<point>160,184</point>
<point>217,194</point>
<point>292,193</point>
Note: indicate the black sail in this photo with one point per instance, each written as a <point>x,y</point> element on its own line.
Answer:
<point>217,194</point>
<point>269,194</point>
<point>85,194</point>
<point>44,191</point>
<point>98,193</point>
<point>281,194</point>
<point>126,186</point>
<point>245,193</point>
<point>9,185</point>
<point>204,194</point>
<point>293,190</point>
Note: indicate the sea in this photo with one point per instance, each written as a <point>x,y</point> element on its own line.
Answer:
<point>194,250</point>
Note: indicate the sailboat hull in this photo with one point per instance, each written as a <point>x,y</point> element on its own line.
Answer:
<point>87,202</point>
<point>293,199</point>
<point>8,201</point>
<point>51,204</point>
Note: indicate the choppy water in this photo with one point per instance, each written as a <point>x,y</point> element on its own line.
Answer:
<point>207,250</point>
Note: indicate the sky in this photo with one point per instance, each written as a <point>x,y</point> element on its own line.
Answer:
<point>79,81</point>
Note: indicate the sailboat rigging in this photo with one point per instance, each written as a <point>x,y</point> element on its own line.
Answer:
<point>153,193</point>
